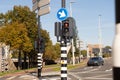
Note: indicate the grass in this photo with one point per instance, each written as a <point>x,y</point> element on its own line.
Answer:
<point>15,71</point>
<point>69,66</point>
<point>55,67</point>
<point>8,72</point>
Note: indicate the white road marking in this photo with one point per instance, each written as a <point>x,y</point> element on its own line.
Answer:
<point>90,78</point>
<point>78,77</point>
<point>11,78</point>
<point>87,71</point>
<point>108,70</point>
<point>99,77</point>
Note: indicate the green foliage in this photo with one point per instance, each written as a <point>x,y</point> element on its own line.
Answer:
<point>57,50</point>
<point>109,47</point>
<point>77,52</point>
<point>84,53</point>
<point>21,30</point>
<point>15,35</point>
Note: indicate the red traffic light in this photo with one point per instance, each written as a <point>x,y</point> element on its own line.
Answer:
<point>66,24</point>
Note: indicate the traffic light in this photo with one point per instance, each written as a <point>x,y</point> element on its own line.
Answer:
<point>69,27</point>
<point>40,45</point>
<point>58,31</point>
<point>65,28</point>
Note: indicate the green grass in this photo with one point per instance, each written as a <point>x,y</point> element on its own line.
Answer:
<point>8,72</point>
<point>69,66</point>
<point>55,67</point>
<point>14,71</point>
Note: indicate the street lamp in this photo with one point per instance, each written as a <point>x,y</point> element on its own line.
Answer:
<point>72,39</point>
<point>100,36</point>
<point>71,8</point>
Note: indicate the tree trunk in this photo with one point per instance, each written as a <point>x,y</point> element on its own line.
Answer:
<point>19,61</point>
<point>25,61</point>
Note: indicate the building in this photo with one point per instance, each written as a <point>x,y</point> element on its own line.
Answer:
<point>94,49</point>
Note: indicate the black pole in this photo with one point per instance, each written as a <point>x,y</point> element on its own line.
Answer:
<point>116,56</point>
<point>63,3</point>
<point>63,51</point>
<point>39,52</point>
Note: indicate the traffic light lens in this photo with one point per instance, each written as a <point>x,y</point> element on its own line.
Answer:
<point>66,25</point>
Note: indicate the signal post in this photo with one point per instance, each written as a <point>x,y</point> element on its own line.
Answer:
<point>43,8</point>
<point>64,31</point>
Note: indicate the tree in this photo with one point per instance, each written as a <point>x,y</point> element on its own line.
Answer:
<point>15,35</point>
<point>22,15</point>
<point>109,47</point>
<point>84,53</point>
<point>57,50</point>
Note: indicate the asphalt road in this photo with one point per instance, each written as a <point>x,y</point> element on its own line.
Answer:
<point>85,73</point>
<point>95,72</point>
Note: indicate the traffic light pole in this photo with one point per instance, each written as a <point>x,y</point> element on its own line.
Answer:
<point>63,3</point>
<point>63,59</point>
<point>63,52</point>
<point>39,55</point>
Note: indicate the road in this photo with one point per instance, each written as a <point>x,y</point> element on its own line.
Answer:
<point>94,72</point>
<point>84,73</point>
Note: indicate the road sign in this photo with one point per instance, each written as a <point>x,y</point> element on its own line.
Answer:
<point>62,14</point>
<point>39,3</point>
<point>35,6</point>
<point>44,10</point>
<point>43,3</point>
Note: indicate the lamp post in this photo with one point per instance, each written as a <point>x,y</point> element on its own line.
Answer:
<point>72,39</point>
<point>100,36</point>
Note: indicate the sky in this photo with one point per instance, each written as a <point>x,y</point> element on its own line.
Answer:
<point>85,12</point>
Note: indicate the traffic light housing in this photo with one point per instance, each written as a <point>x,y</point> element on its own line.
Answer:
<point>65,28</point>
<point>69,27</point>
<point>40,45</point>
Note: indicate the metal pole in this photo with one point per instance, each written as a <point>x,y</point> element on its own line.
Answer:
<point>63,3</point>
<point>72,39</point>
<point>39,54</point>
<point>63,52</point>
<point>116,44</point>
<point>73,52</point>
<point>79,51</point>
<point>71,8</point>
<point>100,37</point>
<point>63,60</point>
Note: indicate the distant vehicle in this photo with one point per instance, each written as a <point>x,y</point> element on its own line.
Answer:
<point>95,61</point>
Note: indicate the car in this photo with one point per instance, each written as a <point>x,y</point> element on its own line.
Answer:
<point>95,61</point>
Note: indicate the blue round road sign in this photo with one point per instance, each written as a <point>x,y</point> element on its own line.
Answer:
<point>62,14</point>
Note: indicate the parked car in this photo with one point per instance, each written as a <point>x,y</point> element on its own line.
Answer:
<point>95,61</point>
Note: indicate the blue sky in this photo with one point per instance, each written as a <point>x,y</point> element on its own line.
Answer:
<point>86,14</point>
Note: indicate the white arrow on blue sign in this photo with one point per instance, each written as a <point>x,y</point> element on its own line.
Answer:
<point>62,14</point>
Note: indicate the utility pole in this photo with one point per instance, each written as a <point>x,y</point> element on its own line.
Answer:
<point>116,43</point>
<point>73,55</point>
<point>100,36</point>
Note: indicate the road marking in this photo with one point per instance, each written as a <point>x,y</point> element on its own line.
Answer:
<point>79,78</point>
<point>99,77</point>
<point>87,71</point>
<point>108,70</point>
<point>28,77</point>
<point>88,68</point>
<point>90,78</point>
<point>11,78</point>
